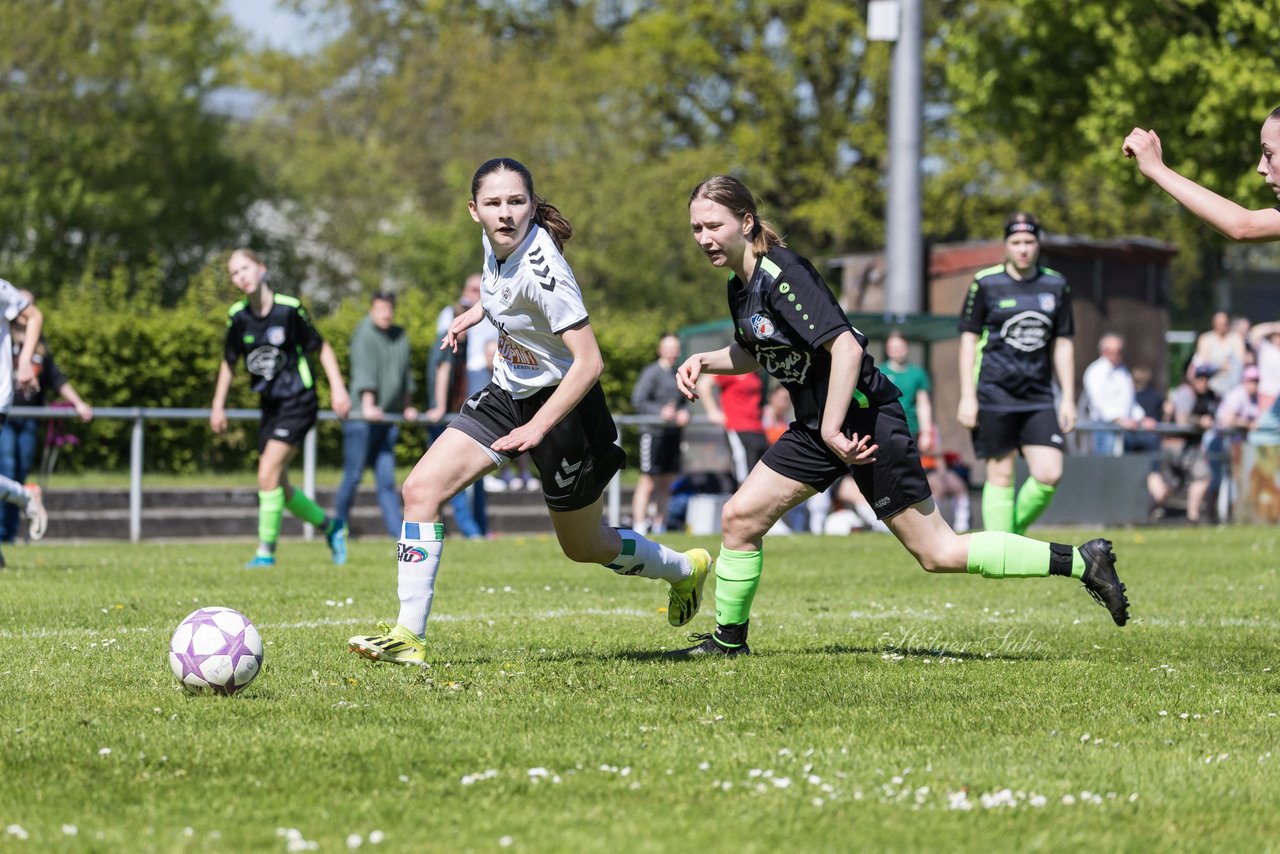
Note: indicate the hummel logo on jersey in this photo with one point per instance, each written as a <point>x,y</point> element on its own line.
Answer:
<point>542,270</point>
<point>570,472</point>
<point>281,432</point>
<point>1055,439</point>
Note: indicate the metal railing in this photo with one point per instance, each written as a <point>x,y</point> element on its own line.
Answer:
<point>139,416</point>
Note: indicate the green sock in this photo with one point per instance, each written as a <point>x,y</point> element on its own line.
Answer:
<point>997,554</point>
<point>270,509</point>
<point>737,577</point>
<point>997,507</point>
<point>1077,564</point>
<point>1033,497</point>
<point>305,509</point>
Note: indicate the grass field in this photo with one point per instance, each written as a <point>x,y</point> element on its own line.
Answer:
<point>883,708</point>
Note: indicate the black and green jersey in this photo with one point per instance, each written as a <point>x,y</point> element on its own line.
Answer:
<point>782,317</point>
<point>274,347</point>
<point>1017,323</point>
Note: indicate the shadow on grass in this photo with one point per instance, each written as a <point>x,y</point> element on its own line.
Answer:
<point>942,654</point>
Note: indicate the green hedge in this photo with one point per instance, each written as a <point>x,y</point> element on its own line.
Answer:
<point>119,347</point>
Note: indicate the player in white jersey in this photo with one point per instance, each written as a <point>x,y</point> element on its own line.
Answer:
<point>16,308</point>
<point>545,398</point>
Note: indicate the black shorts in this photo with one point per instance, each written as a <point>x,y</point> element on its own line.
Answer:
<point>660,451</point>
<point>287,420</point>
<point>894,482</point>
<point>1001,433</point>
<point>575,461</point>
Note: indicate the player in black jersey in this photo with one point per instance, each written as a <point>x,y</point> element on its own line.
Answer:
<point>848,421</point>
<point>1015,335</point>
<point>273,334</point>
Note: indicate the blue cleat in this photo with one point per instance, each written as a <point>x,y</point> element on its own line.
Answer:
<point>336,535</point>
<point>261,562</point>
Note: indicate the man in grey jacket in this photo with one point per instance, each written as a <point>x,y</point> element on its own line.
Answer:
<point>655,394</point>
<point>381,381</point>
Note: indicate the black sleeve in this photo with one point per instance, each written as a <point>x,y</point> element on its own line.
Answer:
<point>1064,325</point>
<point>233,346</point>
<point>973,315</point>
<point>51,377</point>
<point>308,338</point>
<point>807,305</point>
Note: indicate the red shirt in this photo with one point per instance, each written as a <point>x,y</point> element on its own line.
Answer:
<point>740,396</point>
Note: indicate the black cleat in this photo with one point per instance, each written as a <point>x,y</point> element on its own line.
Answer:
<point>1101,581</point>
<point>708,646</point>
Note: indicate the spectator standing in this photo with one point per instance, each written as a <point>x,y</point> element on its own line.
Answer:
<point>449,381</point>
<point>913,381</point>
<point>382,381</point>
<point>1150,405</point>
<point>1237,414</point>
<point>735,402</point>
<point>1223,349</point>
<point>655,393</point>
<point>1182,458</point>
<point>1110,396</point>
<point>20,374</point>
<point>1265,338</point>
<point>20,437</point>
<point>1239,409</point>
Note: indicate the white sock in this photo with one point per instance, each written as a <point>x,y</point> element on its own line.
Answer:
<point>960,507</point>
<point>643,557</point>
<point>417,561</point>
<point>13,492</point>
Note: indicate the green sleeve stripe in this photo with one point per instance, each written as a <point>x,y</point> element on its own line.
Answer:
<point>293,302</point>
<point>771,268</point>
<point>989,271</point>
<point>304,370</point>
<point>977,362</point>
<point>1052,272</point>
<point>861,399</point>
<point>237,308</point>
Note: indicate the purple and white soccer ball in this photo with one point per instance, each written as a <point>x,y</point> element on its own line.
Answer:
<point>215,650</point>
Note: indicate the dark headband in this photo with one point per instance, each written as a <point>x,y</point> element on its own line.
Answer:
<point>1022,228</point>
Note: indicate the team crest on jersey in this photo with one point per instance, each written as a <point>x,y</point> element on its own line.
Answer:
<point>1048,302</point>
<point>762,325</point>
<point>275,336</point>
<point>506,295</point>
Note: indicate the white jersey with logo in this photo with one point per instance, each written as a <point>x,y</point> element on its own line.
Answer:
<point>12,302</point>
<point>532,299</point>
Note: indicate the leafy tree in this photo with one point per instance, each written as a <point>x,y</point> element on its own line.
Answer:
<point>109,159</point>
<point>1043,93</point>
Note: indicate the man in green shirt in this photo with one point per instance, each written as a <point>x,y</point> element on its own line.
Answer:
<point>381,382</point>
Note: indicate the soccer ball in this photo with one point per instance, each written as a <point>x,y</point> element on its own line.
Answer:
<point>215,650</point>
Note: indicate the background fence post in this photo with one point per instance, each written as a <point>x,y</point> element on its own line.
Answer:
<point>309,478</point>
<point>135,479</point>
